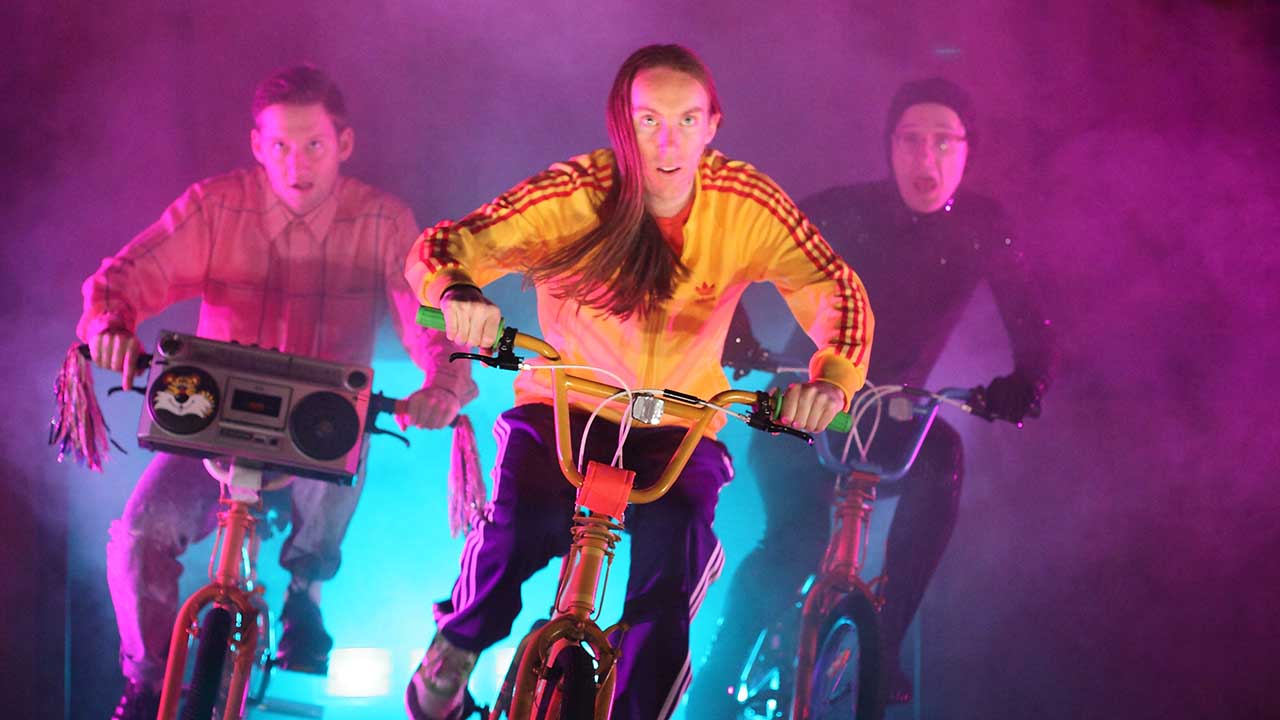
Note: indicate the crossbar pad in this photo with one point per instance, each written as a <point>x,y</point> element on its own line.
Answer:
<point>605,489</point>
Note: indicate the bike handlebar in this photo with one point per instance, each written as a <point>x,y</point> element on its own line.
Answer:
<point>378,403</point>
<point>697,411</point>
<point>923,410</point>
<point>751,356</point>
<point>142,362</point>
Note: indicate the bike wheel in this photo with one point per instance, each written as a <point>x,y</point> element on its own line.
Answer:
<point>569,690</point>
<point>211,655</point>
<point>764,686</point>
<point>848,673</point>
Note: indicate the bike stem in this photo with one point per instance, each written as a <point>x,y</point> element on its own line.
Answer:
<point>594,540</point>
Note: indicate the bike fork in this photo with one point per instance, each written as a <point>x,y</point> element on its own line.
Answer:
<point>572,622</point>
<point>235,524</point>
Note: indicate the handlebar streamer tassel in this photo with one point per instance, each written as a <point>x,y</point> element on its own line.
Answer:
<point>467,493</point>
<point>77,428</point>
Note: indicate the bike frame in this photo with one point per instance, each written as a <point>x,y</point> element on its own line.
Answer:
<point>596,533</point>
<point>225,589</point>
<point>232,582</point>
<point>839,575</point>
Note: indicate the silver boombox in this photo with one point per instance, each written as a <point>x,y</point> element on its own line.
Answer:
<point>293,414</point>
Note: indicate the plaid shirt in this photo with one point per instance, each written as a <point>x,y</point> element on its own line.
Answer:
<point>314,285</point>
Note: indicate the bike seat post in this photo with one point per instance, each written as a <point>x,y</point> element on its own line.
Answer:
<point>243,484</point>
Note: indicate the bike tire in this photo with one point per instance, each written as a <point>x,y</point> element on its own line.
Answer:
<point>569,691</point>
<point>848,679</point>
<point>211,655</point>
<point>764,689</point>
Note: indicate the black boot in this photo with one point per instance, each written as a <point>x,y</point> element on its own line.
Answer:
<point>304,645</point>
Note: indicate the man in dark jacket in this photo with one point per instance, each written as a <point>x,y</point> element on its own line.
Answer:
<point>922,246</point>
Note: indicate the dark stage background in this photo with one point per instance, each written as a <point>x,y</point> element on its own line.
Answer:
<point>1116,558</point>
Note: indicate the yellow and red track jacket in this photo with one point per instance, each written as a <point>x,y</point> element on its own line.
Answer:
<point>742,229</point>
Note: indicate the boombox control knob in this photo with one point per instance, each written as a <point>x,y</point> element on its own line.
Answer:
<point>170,345</point>
<point>357,379</point>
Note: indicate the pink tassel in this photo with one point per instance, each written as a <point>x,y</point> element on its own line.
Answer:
<point>77,427</point>
<point>467,492</point>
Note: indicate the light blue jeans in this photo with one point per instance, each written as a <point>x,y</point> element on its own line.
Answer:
<point>174,504</point>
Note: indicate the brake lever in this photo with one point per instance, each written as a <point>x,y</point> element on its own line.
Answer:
<point>378,405</point>
<point>505,358</point>
<point>775,428</point>
<point>761,418</point>
<point>375,430</point>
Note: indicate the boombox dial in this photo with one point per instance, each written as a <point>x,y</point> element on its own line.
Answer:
<point>293,414</point>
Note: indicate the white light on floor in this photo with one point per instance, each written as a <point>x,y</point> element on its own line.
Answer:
<point>502,658</point>
<point>359,672</point>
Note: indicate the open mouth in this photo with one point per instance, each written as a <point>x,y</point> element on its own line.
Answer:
<point>669,170</point>
<point>925,185</point>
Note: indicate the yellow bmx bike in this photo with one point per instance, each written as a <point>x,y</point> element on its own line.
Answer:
<point>565,668</point>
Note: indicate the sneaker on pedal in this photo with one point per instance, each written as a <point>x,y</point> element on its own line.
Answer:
<point>438,688</point>
<point>138,702</point>
<point>304,645</point>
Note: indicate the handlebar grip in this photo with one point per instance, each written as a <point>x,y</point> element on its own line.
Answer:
<point>430,317</point>
<point>142,363</point>
<point>842,422</point>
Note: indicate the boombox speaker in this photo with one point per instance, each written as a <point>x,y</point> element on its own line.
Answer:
<point>287,413</point>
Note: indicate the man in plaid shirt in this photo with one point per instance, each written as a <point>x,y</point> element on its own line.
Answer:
<point>287,255</point>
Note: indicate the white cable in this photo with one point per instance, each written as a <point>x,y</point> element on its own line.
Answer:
<point>624,427</point>
<point>877,398</point>
<point>876,395</point>
<point>863,404</point>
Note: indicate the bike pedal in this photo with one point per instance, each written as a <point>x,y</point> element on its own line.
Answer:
<point>305,667</point>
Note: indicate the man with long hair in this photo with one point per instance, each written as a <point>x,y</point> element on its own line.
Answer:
<point>291,255</point>
<point>639,256</point>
